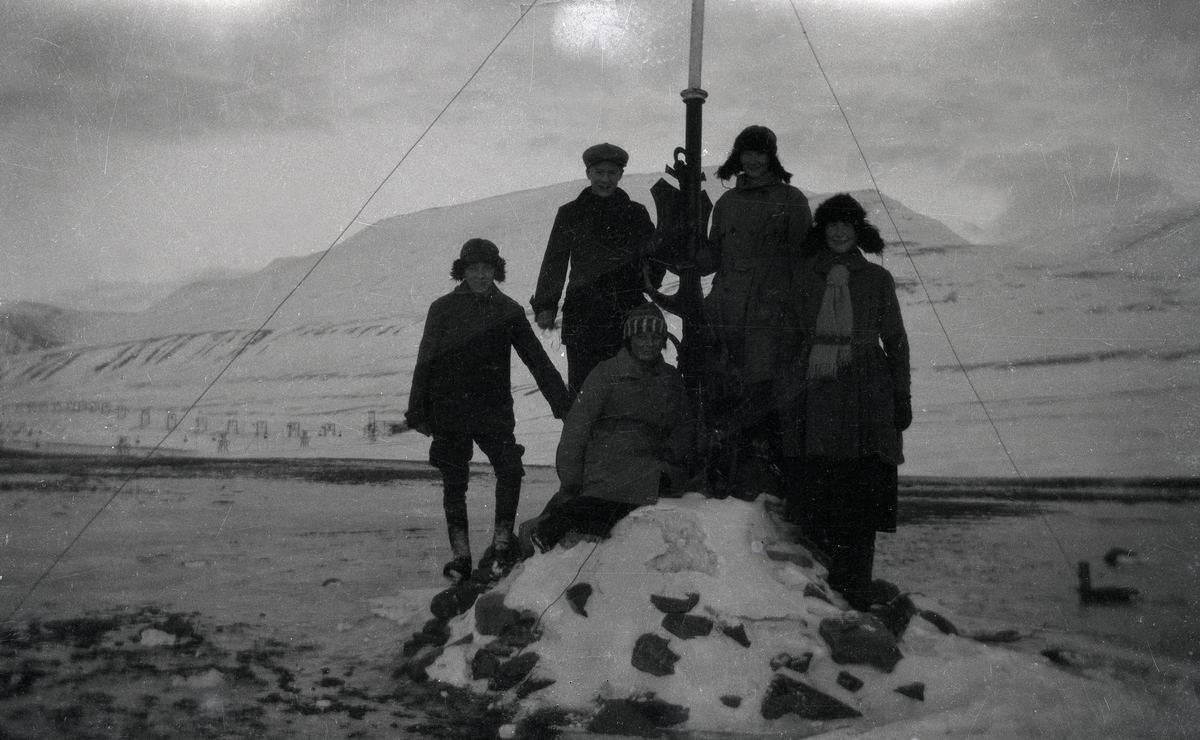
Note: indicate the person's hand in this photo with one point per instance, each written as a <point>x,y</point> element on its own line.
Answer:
<point>398,427</point>
<point>545,318</point>
<point>903,409</point>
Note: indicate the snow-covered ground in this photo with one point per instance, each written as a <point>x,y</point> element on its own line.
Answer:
<point>294,586</point>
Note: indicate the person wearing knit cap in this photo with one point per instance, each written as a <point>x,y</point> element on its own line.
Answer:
<point>848,398</point>
<point>626,441</point>
<point>753,253</point>
<point>462,396</point>
<point>598,238</point>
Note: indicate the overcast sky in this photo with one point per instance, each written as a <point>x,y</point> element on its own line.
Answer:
<point>154,139</point>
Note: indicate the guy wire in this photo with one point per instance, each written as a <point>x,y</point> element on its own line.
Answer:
<point>254,336</point>
<point>928,298</point>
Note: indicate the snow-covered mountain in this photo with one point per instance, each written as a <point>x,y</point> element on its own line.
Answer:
<point>1080,344</point>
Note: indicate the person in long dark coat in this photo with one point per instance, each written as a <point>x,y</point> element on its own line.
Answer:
<point>626,441</point>
<point>848,399</point>
<point>599,236</point>
<point>462,395</point>
<point>753,251</point>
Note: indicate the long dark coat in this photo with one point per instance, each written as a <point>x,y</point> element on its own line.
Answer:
<point>754,248</point>
<point>849,419</point>
<point>462,381</point>
<point>852,416</point>
<point>629,426</point>
<point>600,239</point>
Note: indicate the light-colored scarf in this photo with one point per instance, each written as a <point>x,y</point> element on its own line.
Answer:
<point>835,327</point>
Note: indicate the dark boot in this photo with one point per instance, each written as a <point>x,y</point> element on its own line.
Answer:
<point>459,568</point>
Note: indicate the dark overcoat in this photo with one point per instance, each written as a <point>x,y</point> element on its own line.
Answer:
<point>851,416</point>
<point>629,426</point>
<point>462,381</point>
<point>754,248</point>
<point>600,240</point>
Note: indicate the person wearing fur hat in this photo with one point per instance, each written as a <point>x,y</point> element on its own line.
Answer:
<point>848,398</point>
<point>753,251</point>
<point>599,238</point>
<point>625,442</point>
<point>462,396</point>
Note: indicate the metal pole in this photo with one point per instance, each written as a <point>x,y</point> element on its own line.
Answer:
<point>691,296</point>
<point>696,56</point>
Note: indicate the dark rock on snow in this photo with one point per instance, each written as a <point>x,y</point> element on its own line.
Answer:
<point>849,681</point>
<point>532,684</point>
<point>787,695</point>
<point>862,639</point>
<point>492,616</point>
<point>687,626</point>
<point>455,600</point>
<point>937,620</point>
<point>652,654</point>
<point>881,591</point>
<point>733,702</point>
<point>577,597</point>
<point>484,664</point>
<point>510,672</point>
<point>639,717</point>
<point>816,592</point>
<point>914,690</point>
<point>895,614</point>
<point>799,558</point>
<point>799,664</point>
<point>414,667</point>
<point>737,634</point>
<point>671,605</point>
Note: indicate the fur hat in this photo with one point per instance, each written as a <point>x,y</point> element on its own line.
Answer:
<point>645,317</point>
<point>843,208</point>
<point>605,153</point>
<point>478,250</point>
<point>754,139</point>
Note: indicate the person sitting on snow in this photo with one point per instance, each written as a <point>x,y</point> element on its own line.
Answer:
<point>624,443</point>
<point>462,395</point>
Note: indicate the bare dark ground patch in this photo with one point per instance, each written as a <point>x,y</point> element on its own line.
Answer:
<point>145,673</point>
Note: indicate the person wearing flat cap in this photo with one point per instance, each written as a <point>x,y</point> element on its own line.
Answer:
<point>597,238</point>
<point>753,252</point>
<point>462,396</point>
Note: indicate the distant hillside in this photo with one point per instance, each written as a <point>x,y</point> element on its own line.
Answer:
<point>1081,345</point>
<point>397,266</point>
<point>26,326</point>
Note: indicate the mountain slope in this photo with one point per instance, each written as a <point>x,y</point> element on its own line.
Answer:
<point>1083,359</point>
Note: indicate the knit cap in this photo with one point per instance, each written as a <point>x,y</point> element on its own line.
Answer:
<point>645,318</point>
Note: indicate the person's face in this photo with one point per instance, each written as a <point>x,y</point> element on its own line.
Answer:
<point>755,164</point>
<point>604,177</point>
<point>840,237</point>
<point>646,346</point>
<point>480,276</point>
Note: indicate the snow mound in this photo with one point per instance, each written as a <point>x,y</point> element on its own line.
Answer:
<point>700,616</point>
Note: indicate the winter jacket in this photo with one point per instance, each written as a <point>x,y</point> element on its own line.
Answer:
<point>601,240</point>
<point>853,415</point>
<point>754,248</point>
<point>629,426</point>
<point>462,379</point>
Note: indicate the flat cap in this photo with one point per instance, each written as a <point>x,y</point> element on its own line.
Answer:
<point>605,153</point>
